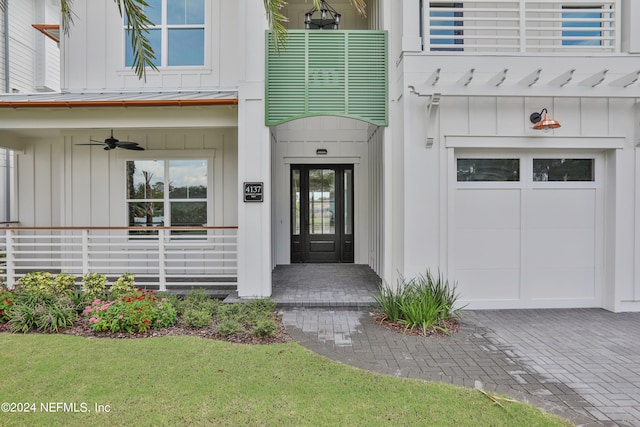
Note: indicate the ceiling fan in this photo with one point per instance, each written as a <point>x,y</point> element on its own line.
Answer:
<point>111,143</point>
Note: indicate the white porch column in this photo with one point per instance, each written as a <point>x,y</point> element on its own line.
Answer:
<point>254,155</point>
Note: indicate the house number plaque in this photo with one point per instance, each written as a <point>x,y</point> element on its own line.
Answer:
<point>253,191</point>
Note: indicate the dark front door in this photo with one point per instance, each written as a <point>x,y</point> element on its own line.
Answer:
<point>322,213</point>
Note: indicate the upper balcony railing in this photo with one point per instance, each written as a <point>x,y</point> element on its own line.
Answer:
<point>542,26</point>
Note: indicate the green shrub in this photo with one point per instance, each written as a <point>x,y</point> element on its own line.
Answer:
<point>263,305</point>
<point>64,284</point>
<point>175,300</point>
<point>94,285</point>
<point>37,281</point>
<point>6,304</point>
<point>422,302</point>
<point>265,328</point>
<point>228,326</point>
<point>196,318</point>
<point>133,313</point>
<point>256,317</point>
<point>45,282</point>
<point>43,311</point>
<point>123,287</point>
<point>198,299</point>
<point>235,311</point>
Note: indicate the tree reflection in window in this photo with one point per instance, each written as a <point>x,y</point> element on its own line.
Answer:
<point>170,193</point>
<point>488,170</point>
<point>563,170</point>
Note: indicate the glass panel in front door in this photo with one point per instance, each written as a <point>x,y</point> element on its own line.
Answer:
<point>295,201</point>
<point>322,201</point>
<point>348,204</point>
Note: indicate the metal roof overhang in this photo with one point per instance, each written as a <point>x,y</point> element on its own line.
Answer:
<point>24,114</point>
<point>119,99</point>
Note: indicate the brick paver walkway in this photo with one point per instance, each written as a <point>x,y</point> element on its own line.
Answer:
<point>582,364</point>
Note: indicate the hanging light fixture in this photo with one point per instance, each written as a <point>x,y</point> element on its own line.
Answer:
<point>329,18</point>
<point>543,122</point>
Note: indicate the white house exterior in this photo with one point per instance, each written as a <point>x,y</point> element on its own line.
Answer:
<point>403,141</point>
<point>30,63</point>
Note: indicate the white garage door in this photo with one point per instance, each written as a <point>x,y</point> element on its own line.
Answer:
<point>527,229</point>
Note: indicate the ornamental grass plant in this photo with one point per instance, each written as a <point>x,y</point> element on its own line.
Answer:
<point>424,301</point>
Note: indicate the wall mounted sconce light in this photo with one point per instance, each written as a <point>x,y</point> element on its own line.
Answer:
<point>321,152</point>
<point>543,122</point>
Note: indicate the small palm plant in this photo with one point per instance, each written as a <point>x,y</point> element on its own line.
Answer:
<point>425,301</point>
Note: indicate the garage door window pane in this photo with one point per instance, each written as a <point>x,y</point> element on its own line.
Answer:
<point>488,170</point>
<point>563,170</point>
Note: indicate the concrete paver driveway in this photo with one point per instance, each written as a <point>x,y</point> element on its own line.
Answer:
<point>582,364</point>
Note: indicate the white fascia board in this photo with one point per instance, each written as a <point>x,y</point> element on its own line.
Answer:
<point>113,117</point>
<point>544,140</point>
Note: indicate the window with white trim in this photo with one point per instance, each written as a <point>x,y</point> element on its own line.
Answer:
<point>167,192</point>
<point>550,169</point>
<point>488,169</point>
<point>178,34</point>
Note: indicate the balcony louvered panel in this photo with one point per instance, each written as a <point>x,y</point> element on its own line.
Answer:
<point>341,73</point>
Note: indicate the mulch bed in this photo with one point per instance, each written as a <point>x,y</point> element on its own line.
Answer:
<point>82,329</point>
<point>452,325</point>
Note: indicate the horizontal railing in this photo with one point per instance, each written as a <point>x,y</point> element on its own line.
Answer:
<point>159,257</point>
<point>521,26</point>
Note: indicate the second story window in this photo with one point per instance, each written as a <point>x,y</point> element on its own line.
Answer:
<point>446,26</point>
<point>178,36</point>
<point>582,26</point>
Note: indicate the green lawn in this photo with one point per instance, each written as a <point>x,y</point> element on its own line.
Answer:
<point>193,381</point>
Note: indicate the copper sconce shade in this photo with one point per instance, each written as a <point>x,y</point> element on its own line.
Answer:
<point>543,122</point>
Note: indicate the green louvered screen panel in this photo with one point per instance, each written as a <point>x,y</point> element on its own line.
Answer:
<point>367,65</point>
<point>339,73</point>
<point>286,79</point>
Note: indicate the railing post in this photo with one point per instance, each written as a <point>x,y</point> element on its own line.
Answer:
<point>617,26</point>
<point>162,275</point>
<point>85,251</point>
<point>11,272</point>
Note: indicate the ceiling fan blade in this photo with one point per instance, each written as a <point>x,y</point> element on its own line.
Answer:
<point>110,143</point>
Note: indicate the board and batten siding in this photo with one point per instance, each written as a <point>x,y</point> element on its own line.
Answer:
<point>34,60</point>
<point>605,127</point>
<point>62,184</point>
<point>94,52</point>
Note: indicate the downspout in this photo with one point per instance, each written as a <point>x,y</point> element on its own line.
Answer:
<point>7,85</point>
<point>7,88</point>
